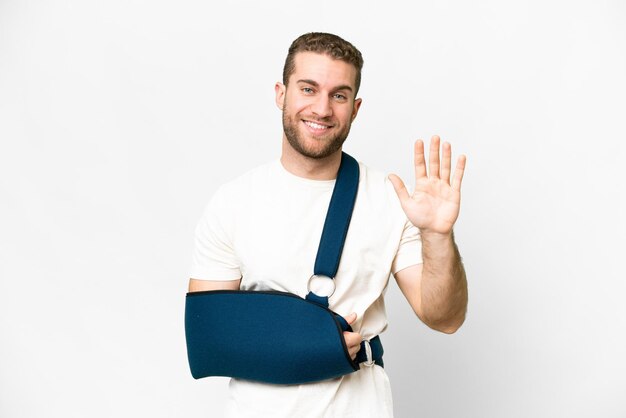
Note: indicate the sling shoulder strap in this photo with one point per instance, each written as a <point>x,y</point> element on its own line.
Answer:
<point>337,222</point>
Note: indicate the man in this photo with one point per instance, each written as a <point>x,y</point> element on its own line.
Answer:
<point>261,231</point>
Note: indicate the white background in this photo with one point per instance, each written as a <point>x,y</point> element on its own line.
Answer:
<point>118,119</point>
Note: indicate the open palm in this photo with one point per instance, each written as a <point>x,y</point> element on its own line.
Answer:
<point>435,203</point>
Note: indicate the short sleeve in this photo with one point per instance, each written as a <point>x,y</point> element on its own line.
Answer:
<point>213,255</point>
<point>410,249</point>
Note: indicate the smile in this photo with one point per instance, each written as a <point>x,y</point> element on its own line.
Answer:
<point>316,126</point>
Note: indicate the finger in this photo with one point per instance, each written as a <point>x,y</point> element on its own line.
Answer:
<point>353,342</point>
<point>352,338</point>
<point>433,158</point>
<point>354,350</point>
<point>446,160</point>
<point>350,318</point>
<point>399,187</point>
<point>418,159</point>
<point>458,173</point>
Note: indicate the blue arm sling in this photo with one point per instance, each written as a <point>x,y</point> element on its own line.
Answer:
<point>279,337</point>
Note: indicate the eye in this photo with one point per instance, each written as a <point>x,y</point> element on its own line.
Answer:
<point>307,90</point>
<point>340,97</point>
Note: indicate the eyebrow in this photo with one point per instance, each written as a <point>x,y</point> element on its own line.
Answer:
<point>316,84</point>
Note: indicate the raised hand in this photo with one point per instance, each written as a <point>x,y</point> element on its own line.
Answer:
<point>434,205</point>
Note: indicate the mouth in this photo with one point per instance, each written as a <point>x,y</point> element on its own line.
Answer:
<point>316,127</point>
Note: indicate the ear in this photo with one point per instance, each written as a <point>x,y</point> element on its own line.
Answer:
<point>356,107</point>
<point>280,90</point>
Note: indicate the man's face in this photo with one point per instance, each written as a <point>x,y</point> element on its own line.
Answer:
<point>318,105</point>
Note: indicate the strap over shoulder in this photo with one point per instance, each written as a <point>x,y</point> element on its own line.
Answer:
<point>337,222</point>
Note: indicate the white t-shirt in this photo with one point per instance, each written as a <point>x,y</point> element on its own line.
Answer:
<point>265,227</point>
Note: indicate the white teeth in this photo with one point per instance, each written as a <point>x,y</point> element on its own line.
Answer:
<point>315,125</point>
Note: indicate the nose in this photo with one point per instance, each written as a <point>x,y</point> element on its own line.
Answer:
<point>322,107</point>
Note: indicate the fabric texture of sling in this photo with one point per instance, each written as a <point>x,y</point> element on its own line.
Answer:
<point>279,337</point>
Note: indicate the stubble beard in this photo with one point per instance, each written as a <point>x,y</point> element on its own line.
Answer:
<point>294,137</point>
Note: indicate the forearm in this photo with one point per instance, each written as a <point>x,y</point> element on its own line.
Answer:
<point>444,285</point>
<point>204,285</point>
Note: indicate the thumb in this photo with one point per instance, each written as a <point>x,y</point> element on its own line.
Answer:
<point>351,318</point>
<point>398,186</point>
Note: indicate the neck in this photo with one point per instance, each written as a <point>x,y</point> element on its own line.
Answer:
<point>310,168</point>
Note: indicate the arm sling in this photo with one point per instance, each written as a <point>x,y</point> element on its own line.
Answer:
<point>279,337</point>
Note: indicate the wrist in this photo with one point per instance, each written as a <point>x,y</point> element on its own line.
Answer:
<point>438,248</point>
<point>436,237</point>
